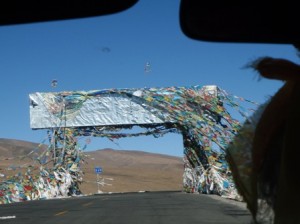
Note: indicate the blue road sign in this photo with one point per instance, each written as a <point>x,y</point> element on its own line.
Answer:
<point>98,170</point>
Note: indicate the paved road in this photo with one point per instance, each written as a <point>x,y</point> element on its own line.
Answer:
<point>129,208</point>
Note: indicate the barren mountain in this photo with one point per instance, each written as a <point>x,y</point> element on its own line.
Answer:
<point>130,170</point>
<point>13,148</point>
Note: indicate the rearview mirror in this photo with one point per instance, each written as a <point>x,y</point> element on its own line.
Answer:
<point>248,22</point>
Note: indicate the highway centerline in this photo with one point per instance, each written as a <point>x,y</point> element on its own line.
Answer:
<point>61,213</point>
<point>87,204</point>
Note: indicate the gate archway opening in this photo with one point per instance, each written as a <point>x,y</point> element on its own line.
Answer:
<point>135,163</point>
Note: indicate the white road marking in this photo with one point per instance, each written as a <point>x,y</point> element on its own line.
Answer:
<point>8,217</point>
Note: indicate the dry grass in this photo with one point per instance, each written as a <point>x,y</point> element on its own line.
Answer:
<point>130,170</point>
<point>133,171</point>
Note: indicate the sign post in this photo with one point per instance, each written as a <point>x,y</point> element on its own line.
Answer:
<point>98,170</point>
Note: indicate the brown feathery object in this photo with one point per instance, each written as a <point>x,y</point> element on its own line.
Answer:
<point>275,147</point>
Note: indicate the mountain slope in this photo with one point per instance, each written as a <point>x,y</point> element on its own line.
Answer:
<point>134,171</point>
<point>130,170</point>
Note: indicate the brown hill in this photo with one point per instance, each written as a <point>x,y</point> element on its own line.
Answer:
<point>130,170</point>
<point>14,148</point>
<point>15,154</point>
<point>133,171</point>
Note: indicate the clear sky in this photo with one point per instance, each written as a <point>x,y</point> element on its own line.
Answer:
<point>111,52</point>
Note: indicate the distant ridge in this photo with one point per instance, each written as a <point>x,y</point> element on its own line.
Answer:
<point>135,152</point>
<point>14,147</point>
<point>131,170</point>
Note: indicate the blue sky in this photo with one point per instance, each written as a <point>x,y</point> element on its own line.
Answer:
<point>111,52</point>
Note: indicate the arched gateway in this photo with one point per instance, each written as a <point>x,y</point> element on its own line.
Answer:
<point>199,113</point>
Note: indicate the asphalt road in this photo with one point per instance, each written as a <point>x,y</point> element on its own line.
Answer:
<point>129,208</point>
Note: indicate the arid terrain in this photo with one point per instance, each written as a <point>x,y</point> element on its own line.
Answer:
<point>130,170</point>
